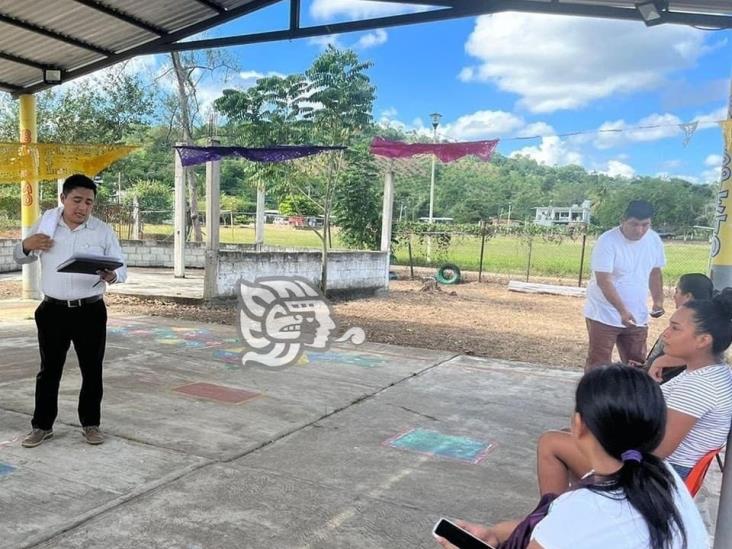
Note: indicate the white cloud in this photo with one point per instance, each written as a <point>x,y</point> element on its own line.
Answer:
<point>712,117</point>
<point>355,9</point>
<point>713,160</point>
<point>614,134</point>
<point>555,62</point>
<point>325,41</point>
<point>690,178</point>
<point>482,125</point>
<point>616,168</point>
<point>551,151</point>
<point>713,175</point>
<point>372,39</point>
<point>391,112</point>
<point>472,127</point>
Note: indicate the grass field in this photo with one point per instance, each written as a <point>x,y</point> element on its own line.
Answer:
<point>502,255</point>
<point>508,255</point>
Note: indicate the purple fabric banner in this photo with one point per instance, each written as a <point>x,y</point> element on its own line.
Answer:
<point>190,155</point>
<point>446,152</point>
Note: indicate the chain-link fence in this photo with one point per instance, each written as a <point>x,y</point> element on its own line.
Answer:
<point>533,258</point>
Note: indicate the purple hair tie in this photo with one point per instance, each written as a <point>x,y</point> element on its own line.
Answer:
<point>631,455</point>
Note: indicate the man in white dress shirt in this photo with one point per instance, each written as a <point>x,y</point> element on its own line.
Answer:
<point>72,309</point>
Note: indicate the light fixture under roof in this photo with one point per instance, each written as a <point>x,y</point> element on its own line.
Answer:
<point>52,76</point>
<point>652,11</point>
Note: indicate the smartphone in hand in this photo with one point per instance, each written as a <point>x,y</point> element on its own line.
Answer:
<point>460,538</point>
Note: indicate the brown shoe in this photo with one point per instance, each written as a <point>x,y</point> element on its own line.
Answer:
<point>36,438</point>
<point>93,435</point>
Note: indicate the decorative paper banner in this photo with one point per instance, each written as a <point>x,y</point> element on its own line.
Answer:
<point>190,155</point>
<point>446,152</point>
<point>688,129</point>
<point>44,161</point>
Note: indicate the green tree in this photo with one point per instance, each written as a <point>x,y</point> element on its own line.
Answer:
<point>340,85</point>
<point>154,198</point>
<point>297,204</point>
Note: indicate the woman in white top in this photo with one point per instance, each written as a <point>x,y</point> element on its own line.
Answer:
<point>632,499</point>
<point>699,400</point>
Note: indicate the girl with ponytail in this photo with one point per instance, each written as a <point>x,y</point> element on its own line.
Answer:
<point>630,498</point>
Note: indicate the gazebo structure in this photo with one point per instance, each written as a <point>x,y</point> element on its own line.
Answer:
<point>40,49</point>
<point>189,155</point>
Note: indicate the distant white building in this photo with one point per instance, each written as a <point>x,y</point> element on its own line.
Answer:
<point>572,215</point>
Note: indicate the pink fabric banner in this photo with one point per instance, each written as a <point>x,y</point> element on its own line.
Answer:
<point>446,152</point>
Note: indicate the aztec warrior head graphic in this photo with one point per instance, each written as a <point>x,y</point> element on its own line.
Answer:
<point>281,317</point>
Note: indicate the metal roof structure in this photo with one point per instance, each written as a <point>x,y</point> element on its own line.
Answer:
<point>47,42</point>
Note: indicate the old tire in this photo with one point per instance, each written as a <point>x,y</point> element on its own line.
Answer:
<point>448,274</point>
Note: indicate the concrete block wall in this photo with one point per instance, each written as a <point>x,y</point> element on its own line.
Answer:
<point>348,272</point>
<point>150,253</point>
<point>7,263</point>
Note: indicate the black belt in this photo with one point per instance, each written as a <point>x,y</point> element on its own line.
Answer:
<point>73,303</point>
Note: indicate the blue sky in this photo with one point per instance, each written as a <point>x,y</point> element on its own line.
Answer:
<point>512,75</point>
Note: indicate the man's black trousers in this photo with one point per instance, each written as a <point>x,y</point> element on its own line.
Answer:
<point>59,326</point>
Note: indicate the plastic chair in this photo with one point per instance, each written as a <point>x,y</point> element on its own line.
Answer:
<point>696,477</point>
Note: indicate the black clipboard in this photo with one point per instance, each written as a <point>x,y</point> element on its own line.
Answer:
<point>89,264</point>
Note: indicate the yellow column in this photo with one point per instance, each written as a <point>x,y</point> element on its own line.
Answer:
<point>29,208</point>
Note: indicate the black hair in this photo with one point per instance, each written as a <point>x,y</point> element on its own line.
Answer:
<point>625,410</point>
<point>639,209</point>
<point>78,180</point>
<point>714,317</point>
<point>698,285</point>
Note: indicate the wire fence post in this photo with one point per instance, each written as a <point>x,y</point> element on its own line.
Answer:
<point>411,263</point>
<point>582,259</point>
<point>528,263</point>
<point>482,248</point>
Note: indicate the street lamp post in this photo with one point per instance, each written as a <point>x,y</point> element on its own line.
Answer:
<point>436,116</point>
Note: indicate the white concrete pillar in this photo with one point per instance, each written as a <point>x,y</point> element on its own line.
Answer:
<point>386,219</point>
<point>135,218</point>
<point>179,234</point>
<point>259,225</point>
<point>213,214</point>
<point>387,211</point>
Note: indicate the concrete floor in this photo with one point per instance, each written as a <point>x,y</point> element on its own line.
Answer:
<point>332,452</point>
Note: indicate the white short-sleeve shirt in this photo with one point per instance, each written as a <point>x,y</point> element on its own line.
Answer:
<point>587,520</point>
<point>629,263</point>
<point>705,394</point>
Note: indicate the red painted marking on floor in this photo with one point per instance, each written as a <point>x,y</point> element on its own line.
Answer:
<point>219,393</point>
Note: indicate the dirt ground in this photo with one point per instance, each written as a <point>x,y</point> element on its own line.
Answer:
<point>481,319</point>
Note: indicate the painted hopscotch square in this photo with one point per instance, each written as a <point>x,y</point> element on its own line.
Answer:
<point>5,469</point>
<point>436,444</point>
<point>218,393</point>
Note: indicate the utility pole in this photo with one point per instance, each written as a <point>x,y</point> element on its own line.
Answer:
<point>436,116</point>
<point>435,123</point>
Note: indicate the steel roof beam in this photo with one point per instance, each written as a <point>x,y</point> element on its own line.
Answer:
<point>117,14</point>
<point>10,87</point>
<point>51,34</point>
<point>294,14</point>
<point>23,61</point>
<point>212,6</point>
<point>320,30</point>
<point>154,46</point>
